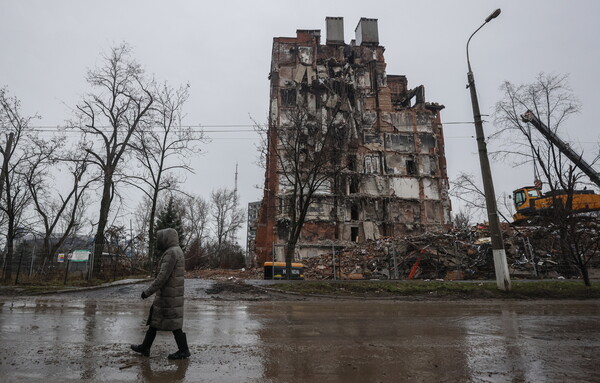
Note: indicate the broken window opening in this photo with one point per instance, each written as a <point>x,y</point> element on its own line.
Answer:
<point>352,163</point>
<point>354,234</point>
<point>288,97</point>
<point>428,143</point>
<point>372,165</point>
<point>400,142</point>
<point>411,167</point>
<point>353,184</point>
<point>433,165</point>
<point>354,212</point>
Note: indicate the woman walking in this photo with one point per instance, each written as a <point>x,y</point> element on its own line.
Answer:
<point>166,313</point>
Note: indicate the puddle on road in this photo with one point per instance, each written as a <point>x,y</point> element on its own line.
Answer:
<point>62,339</point>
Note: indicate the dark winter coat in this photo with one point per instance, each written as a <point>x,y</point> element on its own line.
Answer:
<point>167,309</point>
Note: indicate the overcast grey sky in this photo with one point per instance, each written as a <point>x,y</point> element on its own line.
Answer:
<point>223,50</point>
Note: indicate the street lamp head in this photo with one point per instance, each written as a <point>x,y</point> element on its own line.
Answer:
<point>487,20</point>
<point>493,15</point>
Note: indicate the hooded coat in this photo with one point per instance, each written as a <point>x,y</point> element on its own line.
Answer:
<point>167,309</point>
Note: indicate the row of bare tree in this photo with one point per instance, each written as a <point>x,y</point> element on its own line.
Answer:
<point>127,131</point>
<point>207,228</point>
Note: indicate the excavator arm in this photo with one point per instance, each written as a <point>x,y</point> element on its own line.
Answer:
<point>530,117</point>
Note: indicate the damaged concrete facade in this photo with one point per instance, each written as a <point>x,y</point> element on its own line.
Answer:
<point>394,179</point>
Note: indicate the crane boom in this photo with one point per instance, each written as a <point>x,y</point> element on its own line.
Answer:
<point>530,117</point>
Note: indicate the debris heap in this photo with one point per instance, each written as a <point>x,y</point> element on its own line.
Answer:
<point>448,256</point>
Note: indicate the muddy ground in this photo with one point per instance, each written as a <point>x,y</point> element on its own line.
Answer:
<point>241,333</point>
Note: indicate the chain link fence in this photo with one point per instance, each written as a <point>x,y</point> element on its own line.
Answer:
<point>30,264</point>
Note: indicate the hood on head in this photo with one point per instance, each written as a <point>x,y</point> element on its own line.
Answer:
<point>166,238</point>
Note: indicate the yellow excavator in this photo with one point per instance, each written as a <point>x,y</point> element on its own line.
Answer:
<point>529,200</point>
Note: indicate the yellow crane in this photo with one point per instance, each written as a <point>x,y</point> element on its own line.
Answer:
<point>529,200</point>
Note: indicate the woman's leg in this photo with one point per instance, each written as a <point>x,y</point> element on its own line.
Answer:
<point>183,351</point>
<point>144,348</point>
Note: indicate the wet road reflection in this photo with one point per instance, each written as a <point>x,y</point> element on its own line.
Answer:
<point>66,338</point>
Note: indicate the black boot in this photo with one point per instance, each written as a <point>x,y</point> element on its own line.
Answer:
<point>144,348</point>
<point>184,351</point>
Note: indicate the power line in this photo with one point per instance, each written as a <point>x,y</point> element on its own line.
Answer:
<point>230,128</point>
<point>201,126</point>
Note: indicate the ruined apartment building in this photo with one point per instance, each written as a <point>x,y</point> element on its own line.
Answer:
<point>394,181</point>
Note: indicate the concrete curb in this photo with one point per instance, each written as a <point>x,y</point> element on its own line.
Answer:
<point>407,298</point>
<point>272,290</point>
<point>122,282</point>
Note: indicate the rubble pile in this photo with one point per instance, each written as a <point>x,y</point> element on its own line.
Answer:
<point>448,256</point>
<point>427,256</point>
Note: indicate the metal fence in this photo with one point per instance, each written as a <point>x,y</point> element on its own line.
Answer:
<point>30,264</point>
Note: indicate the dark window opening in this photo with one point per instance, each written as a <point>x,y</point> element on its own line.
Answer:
<point>288,97</point>
<point>354,234</point>
<point>352,163</point>
<point>354,185</point>
<point>400,142</point>
<point>354,212</point>
<point>411,168</point>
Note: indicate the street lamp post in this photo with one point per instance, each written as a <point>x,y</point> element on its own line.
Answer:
<point>500,264</point>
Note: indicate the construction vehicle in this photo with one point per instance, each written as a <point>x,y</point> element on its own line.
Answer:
<point>530,202</point>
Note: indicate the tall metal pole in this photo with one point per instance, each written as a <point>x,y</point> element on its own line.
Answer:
<point>499,254</point>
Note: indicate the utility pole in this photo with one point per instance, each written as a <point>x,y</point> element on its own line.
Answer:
<point>499,254</point>
<point>235,188</point>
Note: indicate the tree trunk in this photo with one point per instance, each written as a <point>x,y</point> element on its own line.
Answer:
<point>102,221</point>
<point>564,261</point>
<point>9,248</point>
<point>291,247</point>
<point>9,257</point>
<point>151,234</point>
<point>585,274</point>
<point>47,250</point>
<point>289,257</point>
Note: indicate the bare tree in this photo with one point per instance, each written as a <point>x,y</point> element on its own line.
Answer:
<point>56,210</point>
<point>463,220</point>
<point>108,119</point>
<point>465,189</point>
<point>163,149</point>
<point>195,219</point>
<point>15,198</point>
<point>141,219</point>
<point>309,156</point>
<point>228,216</point>
<point>468,192</point>
<point>310,130</point>
<point>552,101</point>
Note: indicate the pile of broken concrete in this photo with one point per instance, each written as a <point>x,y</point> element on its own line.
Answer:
<point>433,256</point>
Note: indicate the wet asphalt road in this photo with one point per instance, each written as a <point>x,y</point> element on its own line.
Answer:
<point>86,336</point>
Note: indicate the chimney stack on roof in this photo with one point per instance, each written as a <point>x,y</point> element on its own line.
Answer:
<point>366,32</point>
<point>335,30</point>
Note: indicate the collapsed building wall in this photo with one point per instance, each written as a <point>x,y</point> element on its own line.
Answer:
<point>394,179</point>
